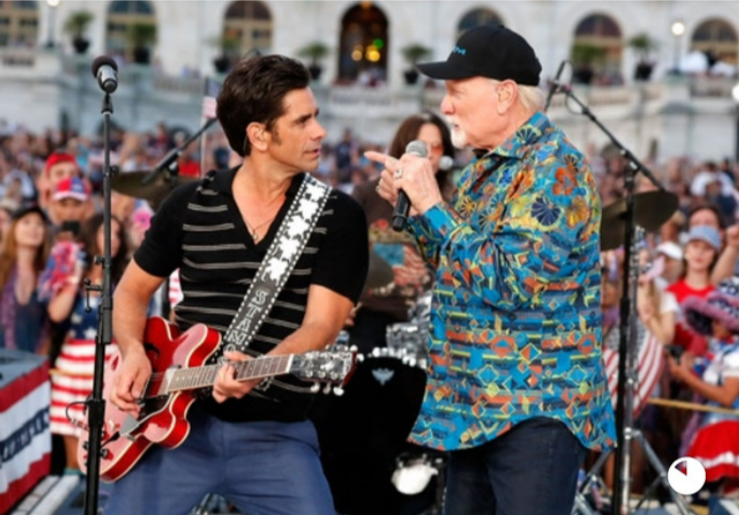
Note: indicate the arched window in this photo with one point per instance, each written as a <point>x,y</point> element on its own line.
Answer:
<point>364,44</point>
<point>18,23</point>
<point>597,50</point>
<point>131,29</point>
<point>247,28</point>
<point>718,39</point>
<point>477,17</point>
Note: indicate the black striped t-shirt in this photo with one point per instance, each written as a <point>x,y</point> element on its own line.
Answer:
<point>199,230</point>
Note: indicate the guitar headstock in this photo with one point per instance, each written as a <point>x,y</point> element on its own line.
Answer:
<point>332,367</point>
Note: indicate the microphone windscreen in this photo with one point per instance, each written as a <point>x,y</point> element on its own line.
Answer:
<point>103,60</point>
<point>446,163</point>
<point>417,147</point>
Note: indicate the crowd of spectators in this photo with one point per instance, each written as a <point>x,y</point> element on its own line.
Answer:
<point>51,200</point>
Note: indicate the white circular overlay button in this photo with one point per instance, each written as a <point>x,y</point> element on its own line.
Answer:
<point>686,476</point>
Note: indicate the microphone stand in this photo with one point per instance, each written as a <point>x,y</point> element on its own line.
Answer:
<point>166,305</point>
<point>627,331</point>
<point>96,404</point>
<point>170,165</point>
<point>169,162</point>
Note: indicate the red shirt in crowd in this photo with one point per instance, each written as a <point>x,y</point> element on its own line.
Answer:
<point>684,337</point>
<point>189,168</point>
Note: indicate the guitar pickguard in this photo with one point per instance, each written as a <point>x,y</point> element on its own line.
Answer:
<point>149,408</point>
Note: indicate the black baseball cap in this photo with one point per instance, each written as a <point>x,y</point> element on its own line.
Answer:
<point>28,207</point>
<point>489,50</point>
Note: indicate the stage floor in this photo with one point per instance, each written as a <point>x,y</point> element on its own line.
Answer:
<point>64,495</point>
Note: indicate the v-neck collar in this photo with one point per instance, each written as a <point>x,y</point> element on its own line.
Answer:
<point>223,184</point>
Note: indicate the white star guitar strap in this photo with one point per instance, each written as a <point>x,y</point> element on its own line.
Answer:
<point>278,263</point>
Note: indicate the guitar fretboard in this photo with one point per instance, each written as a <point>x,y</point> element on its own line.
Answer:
<point>200,377</point>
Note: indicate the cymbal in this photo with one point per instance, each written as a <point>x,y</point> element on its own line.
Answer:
<point>380,272</point>
<point>129,183</point>
<point>651,210</point>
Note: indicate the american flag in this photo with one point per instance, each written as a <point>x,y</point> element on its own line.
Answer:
<point>212,88</point>
<point>649,366</point>
<point>175,289</point>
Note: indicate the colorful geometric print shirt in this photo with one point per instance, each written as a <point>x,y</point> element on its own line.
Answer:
<point>516,314</point>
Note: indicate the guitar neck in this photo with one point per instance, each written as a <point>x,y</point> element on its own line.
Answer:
<point>201,377</point>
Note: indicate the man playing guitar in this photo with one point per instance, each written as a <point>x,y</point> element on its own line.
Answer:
<point>250,441</point>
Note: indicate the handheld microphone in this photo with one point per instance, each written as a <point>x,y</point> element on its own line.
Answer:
<point>403,204</point>
<point>554,86</point>
<point>105,69</point>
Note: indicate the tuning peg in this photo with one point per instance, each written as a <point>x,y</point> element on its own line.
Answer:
<point>338,391</point>
<point>354,348</point>
<point>327,389</point>
<point>360,358</point>
<point>315,387</point>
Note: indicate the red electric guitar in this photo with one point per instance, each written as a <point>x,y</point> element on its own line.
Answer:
<point>177,370</point>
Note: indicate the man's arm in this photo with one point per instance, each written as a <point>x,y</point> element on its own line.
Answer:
<point>336,282</point>
<point>130,303</point>
<point>507,264</point>
<point>324,318</point>
<point>325,314</point>
<point>726,262</point>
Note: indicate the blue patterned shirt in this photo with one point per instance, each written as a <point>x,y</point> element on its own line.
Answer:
<point>516,313</point>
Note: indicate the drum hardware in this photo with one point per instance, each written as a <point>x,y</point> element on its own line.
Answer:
<point>651,210</point>
<point>407,340</point>
<point>379,274</point>
<point>413,474</point>
<point>156,184</point>
<point>129,183</point>
<point>363,434</point>
<point>413,477</point>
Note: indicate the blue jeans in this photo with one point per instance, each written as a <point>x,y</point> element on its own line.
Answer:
<point>264,468</point>
<point>530,470</point>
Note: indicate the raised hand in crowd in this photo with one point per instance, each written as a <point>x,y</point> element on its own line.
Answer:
<point>727,262</point>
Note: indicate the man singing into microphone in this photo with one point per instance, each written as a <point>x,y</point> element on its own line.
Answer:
<point>516,388</point>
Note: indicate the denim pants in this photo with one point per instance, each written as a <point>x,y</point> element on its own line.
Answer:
<point>530,470</point>
<point>264,468</point>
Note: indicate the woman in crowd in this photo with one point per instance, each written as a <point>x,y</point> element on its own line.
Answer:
<point>63,284</point>
<point>700,255</point>
<point>24,253</point>
<point>699,258</point>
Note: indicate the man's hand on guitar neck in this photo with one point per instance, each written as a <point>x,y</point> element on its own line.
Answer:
<point>226,385</point>
<point>130,380</point>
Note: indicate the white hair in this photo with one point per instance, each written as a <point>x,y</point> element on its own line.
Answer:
<point>531,98</point>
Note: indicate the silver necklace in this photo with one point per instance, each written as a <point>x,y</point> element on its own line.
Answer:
<point>254,230</point>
